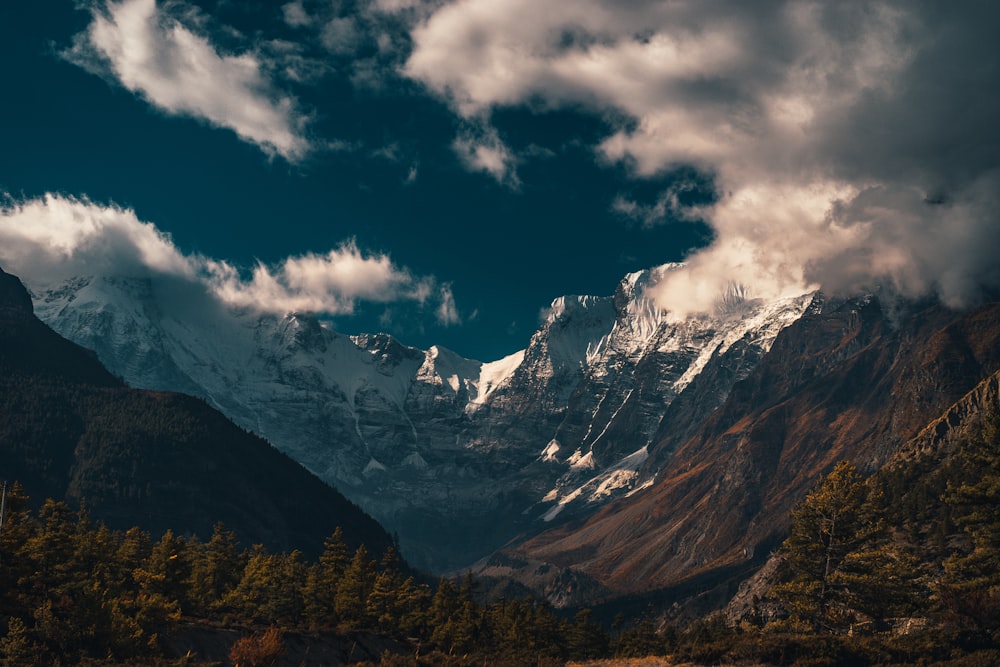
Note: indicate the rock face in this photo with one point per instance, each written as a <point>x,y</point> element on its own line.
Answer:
<point>455,456</point>
<point>845,381</point>
<point>931,449</point>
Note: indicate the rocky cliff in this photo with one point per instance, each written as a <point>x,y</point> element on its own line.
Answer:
<point>848,380</point>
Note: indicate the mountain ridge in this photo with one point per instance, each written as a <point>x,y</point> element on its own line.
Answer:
<point>841,383</point>
<point>595,462</point>
<point>71,430</point>
<point>456,456</point>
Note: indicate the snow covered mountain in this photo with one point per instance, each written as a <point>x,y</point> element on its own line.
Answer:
<point>454,455</point>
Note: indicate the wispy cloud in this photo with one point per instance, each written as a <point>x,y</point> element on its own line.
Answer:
<point>57,237</point>
<point>480,148</point>
<point>295,14</point>
<point>447,312</point>
<point>174,66</point>
<point>830,130</point>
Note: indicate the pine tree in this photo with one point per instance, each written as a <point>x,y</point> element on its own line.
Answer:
<point>216,569</point>
<point>412,602</point>
<point>270,590</point>
<point>17,649</point>
<point>382,605</point>
<point>972,578</point>
<point>320,587</point>
<point>353,590</point>
<point>15,568</point>
<point>168,570</point>
<point>334,559</point>
<point>586,640</point>
<point>833,522</point>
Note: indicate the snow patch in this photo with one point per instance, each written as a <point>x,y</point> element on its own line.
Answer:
<point>613,481</point>
<point>550,451</point>
<point>415,460</point>
<point>621,475</point>
<point>554,511</point>
<point>578,460</point>
<point>493,374</point>
<point>763,325</point>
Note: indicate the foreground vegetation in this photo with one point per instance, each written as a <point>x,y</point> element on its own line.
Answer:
<point>73,591</point>
<point>902,567</point>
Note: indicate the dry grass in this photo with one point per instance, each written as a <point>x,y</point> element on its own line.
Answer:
<point>642,662</point>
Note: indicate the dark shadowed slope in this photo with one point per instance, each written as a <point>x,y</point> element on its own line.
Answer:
<point>69,429</point>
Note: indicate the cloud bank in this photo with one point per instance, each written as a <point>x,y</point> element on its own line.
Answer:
<point>56,237</point>
<point>851,144</point>
<point>176,69</point>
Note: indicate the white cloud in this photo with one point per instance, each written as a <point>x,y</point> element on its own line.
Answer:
<point>53,238</point>
<point>179,71</point>
<point>668,205</point>
<point>411,175</point>
<point>341,35</point>
<point>480,148</point>
<point>295,14</point>
<point>60,237</point>
<point>330,283</point>
<point>447,312</point>
<point>851,143</point>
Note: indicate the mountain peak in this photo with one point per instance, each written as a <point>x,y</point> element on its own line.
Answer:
<point>13,293</point>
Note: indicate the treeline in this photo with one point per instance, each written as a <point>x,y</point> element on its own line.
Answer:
<point>900,567</point>
<point>73,591</point>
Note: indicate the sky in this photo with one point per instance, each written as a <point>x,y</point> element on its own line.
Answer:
<point>443,169</point>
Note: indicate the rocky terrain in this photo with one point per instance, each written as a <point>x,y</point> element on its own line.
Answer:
<point>455,456</point>
<point>623,450</point>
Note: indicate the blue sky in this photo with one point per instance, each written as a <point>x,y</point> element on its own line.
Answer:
<point>443,170</point>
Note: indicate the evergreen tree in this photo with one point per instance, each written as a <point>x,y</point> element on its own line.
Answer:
<point>412,602</point>
<point>833,522</point>
<point>270,589</point>
<point>216,569</point>
<point>585,640</point>
<point>335,557</point>
<point>320,587</point>
<point>382,605</point>
<point>17,649</point>
<point>971,587</point>
<point>353,590</point>
<point>18,528</point>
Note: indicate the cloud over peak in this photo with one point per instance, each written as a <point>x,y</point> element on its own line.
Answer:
<point>850,143</point>
<point>177,69</point>
<point>57,237</point>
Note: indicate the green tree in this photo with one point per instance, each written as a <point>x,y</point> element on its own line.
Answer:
<point>270,590</point>
<point>353,590</point>
<point>586,640</point>
<point>971,587</point>
<point>168,570</point>
<point>320,587</point>
<point>17,649</point>
<point>830,528</point>
<point>216,569</point>
<point>15,567</point>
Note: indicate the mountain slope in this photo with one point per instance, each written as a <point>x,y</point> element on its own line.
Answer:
<point>69,429</point>
<point>455,455</point>
<point>844,381</point>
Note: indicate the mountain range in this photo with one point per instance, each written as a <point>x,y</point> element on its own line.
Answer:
<point>71,430</point>
<point>622,451</point>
